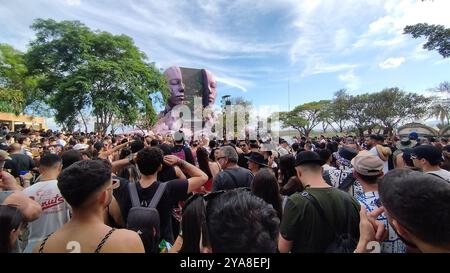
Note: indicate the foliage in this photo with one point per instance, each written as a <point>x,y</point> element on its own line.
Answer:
<point>105,74</point>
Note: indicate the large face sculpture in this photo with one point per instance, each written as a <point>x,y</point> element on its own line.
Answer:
<point>175,80</point>
<point>210,88</point>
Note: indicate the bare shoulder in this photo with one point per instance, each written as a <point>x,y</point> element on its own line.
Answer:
<point>124,240</point>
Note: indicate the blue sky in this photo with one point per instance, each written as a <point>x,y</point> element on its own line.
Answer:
<point>256,47</point>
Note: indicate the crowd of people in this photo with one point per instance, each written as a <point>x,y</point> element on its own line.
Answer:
<point>78,192</point>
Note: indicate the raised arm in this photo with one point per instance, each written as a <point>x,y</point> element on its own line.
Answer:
<point>104,155</point>
<point>198,177</point>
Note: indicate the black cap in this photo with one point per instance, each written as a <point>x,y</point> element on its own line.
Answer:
<point>258,159</point>
<point>377,137</point>
<point>428,152</point>
<point>306,157</point>
<point>347,152</point>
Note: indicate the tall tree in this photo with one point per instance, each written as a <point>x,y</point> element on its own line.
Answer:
<point>438,37</point>
<point>16,87</point>
<point>83,70</point>
<point>304,118</point>
<point>441,107</point>
<point>339,110</point>
<point>359,113</point>
<point>392,105</point>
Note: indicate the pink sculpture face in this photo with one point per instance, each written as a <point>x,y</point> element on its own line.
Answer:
<point>173,75</point>
<point>211,87</point>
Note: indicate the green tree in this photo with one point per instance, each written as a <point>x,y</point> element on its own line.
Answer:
<point>441,107</point>
<point>359,113</point>
<point>16,87</point>
<point>339,110</point>
<point>81,71</point>
<point>304,118</point>
<point>392,106</point>
<point>438,37</point>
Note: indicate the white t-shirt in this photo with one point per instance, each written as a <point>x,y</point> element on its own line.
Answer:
<point>444,174</point>
<point>385,163</point>
<point>55,211</point>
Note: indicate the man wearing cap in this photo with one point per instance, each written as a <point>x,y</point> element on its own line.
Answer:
<point>256,161</point>
<point>303,229</point>
<point>368,169</point>
<point>428,157</point>
<point>180,150</point>
<point>405,143</point>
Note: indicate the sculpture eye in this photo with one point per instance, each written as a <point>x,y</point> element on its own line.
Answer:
<point>212,85</point>
<point>174,82</point>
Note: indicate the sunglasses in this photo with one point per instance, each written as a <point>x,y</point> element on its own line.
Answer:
<point>412,157</point>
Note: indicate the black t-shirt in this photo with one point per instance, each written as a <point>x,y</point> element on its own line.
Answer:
<point>11,168</point>
<point>24,162</point>
<point>243,161</point>
<point>176,190</point>
<point>232,178</point>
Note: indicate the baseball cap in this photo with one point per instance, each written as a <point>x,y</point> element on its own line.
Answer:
<point>367,164</point>
<point>428,152</point>
<point>377,137</point>
<point>306,157</point>
<point>179,136</point>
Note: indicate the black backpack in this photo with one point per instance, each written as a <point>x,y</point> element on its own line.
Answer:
<point>342,242</point>
<point>145,220</point>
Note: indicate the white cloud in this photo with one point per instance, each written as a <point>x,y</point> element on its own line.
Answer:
<point>318,67</point>
<point>232,82</point>
<point>387,30</point>
<point>73,2</point>
<point>392,63</point>
<point>351,81</point>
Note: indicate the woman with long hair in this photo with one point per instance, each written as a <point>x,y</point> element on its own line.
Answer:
<point>10,225</point>
<point>207,166</point>
<point>265,186</point>
<point>287,178</point>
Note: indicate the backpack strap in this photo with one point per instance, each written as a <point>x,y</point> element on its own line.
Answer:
<point>319,209</point>
<point>437,175</point>
<point>159,193</point>
<point>134,194</point>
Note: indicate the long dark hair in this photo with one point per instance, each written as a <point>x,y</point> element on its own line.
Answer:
<point>203,161</point>
<point>191,224</point>
<point>10,219</point>
<point>265,186</point>
<point>211,155</point>
<point>287,168</point>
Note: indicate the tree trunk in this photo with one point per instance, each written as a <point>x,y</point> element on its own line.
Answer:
<point>84,122</point>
